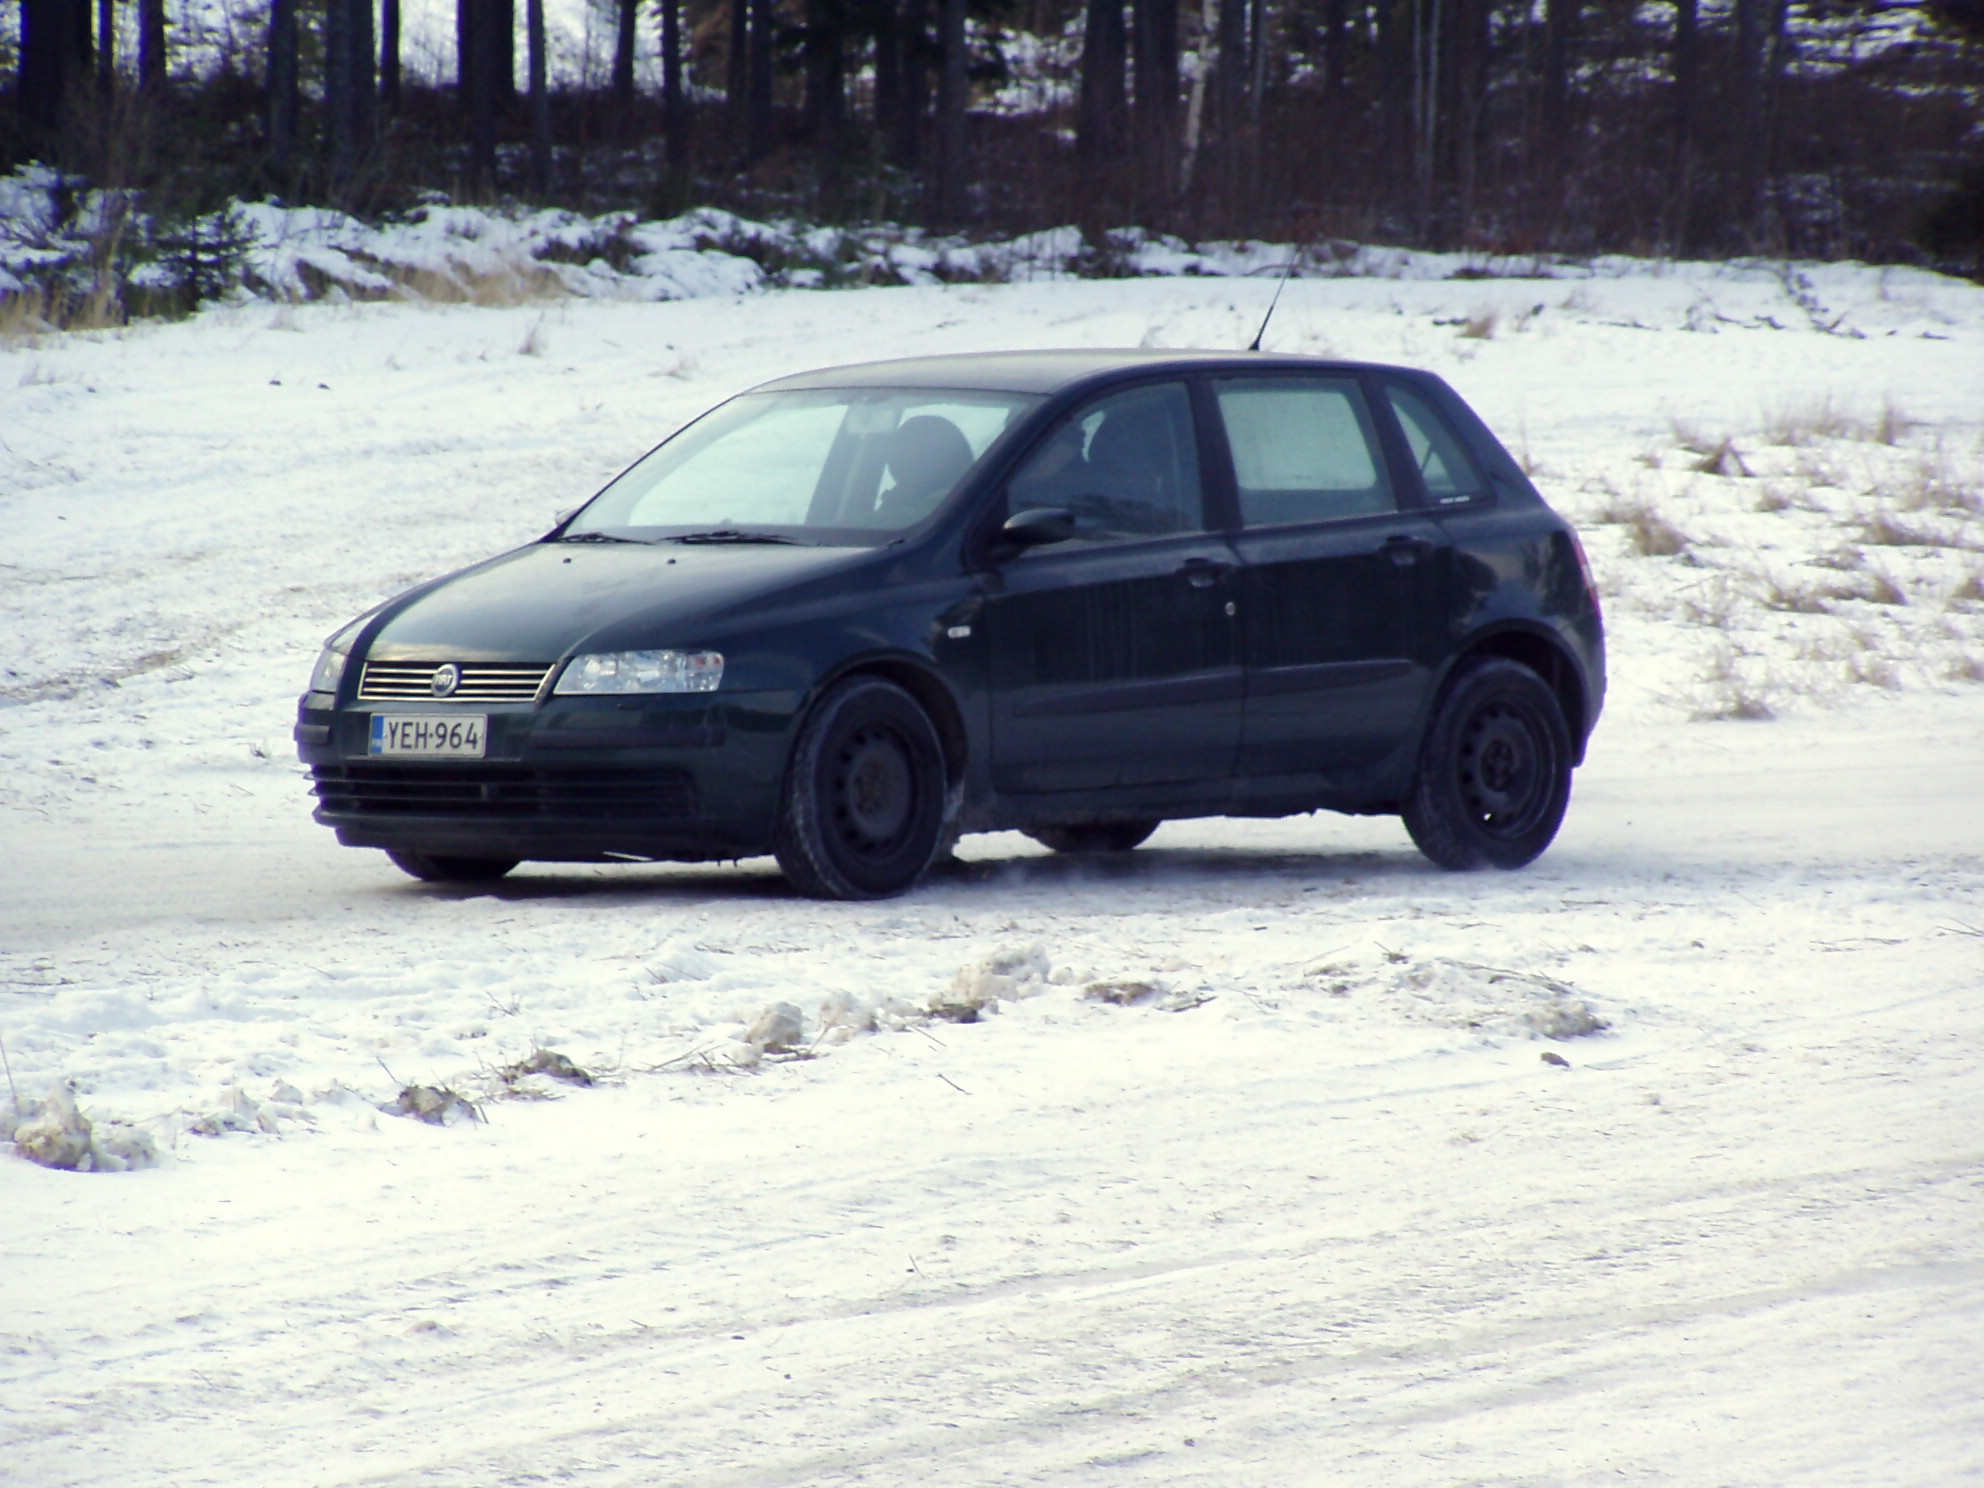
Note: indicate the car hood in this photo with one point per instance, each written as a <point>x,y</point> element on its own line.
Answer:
<point>542,602</point>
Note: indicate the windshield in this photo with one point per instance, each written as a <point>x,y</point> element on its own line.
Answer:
<point>834,466</point>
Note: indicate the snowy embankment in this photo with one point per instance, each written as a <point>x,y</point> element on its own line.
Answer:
<point>1240,1160</point>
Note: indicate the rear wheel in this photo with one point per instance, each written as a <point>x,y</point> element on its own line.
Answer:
<point>440,868</point>
<point>1494,771</point>
<point>1093,837</point>
<point>863,811</point>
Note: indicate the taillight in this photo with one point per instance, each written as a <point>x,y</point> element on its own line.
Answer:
<point>1590,583</point>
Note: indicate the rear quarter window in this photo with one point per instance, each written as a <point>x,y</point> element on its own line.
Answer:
<point>1446,470</point>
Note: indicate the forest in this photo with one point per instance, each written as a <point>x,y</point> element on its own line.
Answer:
<point>1810,128</point>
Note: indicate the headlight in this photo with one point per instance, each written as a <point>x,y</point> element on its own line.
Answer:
<point>329,672</point>
<point>643,671</point>
<point>331,661</point>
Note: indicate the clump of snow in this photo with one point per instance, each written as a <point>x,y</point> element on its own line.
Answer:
<point>778,1027</point>
<point>1491,1000</point>
<point>58,1135</point>
<point>434,1104</point>
<point>1004,974</point>
<point>547,1062</point>
<point>1125,993</point>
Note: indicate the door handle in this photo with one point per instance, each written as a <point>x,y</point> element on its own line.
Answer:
<point>1405,550</point>
<point>1203,573</point>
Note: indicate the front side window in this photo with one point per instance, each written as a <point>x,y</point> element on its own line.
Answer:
<point>1443,465</point>
<point>1125,466</point>
<point>1303,450</point>
<point>839,465</point>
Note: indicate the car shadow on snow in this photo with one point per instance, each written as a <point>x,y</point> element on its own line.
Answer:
<point>987,878</point>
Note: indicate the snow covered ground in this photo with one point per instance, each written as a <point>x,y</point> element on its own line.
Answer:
<point>1261,1169</point>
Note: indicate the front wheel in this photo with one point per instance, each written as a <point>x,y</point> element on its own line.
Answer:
<point>1494,772</point>
<point>863,810</point>
<point>440,868</point>
<point>1092,837</point>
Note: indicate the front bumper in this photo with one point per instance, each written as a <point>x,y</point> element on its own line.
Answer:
<point>571,780</point>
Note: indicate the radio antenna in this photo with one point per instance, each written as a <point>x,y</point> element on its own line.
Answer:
<point>1288,269</point>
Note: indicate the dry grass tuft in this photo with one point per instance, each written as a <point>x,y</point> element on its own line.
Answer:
<point>1893,425</point>
<point>1648,533</point>
<point>1731,690</point>
<point>1480,326</point>
<point>1800,424</point>
<point>1724,460</point>
<point>1882,530</point>
<point>1932,482</point>
<point>27,317</point>
<point>1873,669</point>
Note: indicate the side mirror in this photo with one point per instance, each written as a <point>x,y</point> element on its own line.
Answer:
<point>1037,527</point>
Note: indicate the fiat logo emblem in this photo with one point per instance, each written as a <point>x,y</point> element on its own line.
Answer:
<point>447,677</point>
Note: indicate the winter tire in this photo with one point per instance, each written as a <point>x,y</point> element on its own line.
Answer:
<point>863,809</point>
<point>1093,837</point>
<point>438,868</point>
<point>1494,771</point>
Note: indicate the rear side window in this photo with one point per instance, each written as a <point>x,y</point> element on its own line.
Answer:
<point>1444,467</point>
<point>1303,450</point>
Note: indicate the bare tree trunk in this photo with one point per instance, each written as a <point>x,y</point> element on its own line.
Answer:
<point>1559,26</point>
<point>1395,71</point>
<point>476,23</point>
<point>106,51</point>
<point>1230,81</point>
<point>627,16</point>
<point>540,99</point>
<point>1154,47</point>
<point>825,84</point>
<point>1680,186</point>
<point>951,170</point>
<point>364,81</point>
<point>1748,110</point>
<point>912,42</point>
<point>151,43</point>
<point>55,54</point>
<point>503,52</point>
<point>1336,46</point>
<point>389,56</point>
<point>348,86</point>
<point>1100,131</point>
<point>764,21</point>
<point>737,68</point>
<point>339,107</point>
<point>1776,47</point>
<point>282,83</point>
<point>888,69</point>
<point>1428,54</point>
<point>674,103</point>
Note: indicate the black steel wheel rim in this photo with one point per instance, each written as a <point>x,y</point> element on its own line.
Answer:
<point>873,791</point>
<point>1505,768</point>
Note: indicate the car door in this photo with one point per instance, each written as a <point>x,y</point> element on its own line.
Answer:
<point>1334,571</point>
<point>1114,655</point>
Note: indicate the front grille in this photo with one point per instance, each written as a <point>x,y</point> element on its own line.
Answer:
<point>481,682</point>
<point>504,792</point>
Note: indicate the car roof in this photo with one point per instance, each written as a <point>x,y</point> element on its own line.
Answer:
<point>1038,371</point>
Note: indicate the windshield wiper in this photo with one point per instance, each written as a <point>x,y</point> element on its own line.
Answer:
<point>598,537</point>
<point>735,535</point>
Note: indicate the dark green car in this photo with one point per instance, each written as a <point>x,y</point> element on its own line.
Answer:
<point>849,615</point>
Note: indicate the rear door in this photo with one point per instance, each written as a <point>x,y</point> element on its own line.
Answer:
<point>1334,574</point>
<point>1115,660</point>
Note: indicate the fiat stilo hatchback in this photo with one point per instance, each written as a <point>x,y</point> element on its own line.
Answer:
<point>848,615</point>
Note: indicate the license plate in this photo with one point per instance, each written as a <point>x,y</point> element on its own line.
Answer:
<point>428,735</point>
